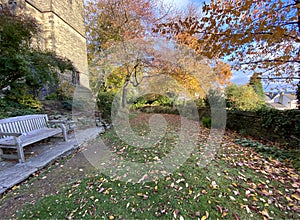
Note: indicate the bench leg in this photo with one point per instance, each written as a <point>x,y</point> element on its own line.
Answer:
<point>64,131</point>
<point>1,153</point>
<point>20,151</point>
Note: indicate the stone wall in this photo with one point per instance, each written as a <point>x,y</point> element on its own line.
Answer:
<point>70,44</point>
<point>63,30</point>
<point>41,5</point>
<point>71,12</point>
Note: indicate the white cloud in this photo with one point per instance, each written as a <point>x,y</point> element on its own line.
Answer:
<point>240,78</point>
<point>183,3</point>
<point>178,3</point>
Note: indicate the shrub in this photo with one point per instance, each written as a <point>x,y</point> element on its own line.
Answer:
<point>10,108</point>
<point>206,121</point>
<point>152,99</point>
<point>30,102</point>
<point>292,155</point>
<point>269,124</point>
<point>159,110</point>
<point>68,104</point>
<point>164,101</point>
<point>243,98</point>
<point>104,103</point>
<point>214,99</point>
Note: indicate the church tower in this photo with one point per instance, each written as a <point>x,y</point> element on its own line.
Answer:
<point>63,30</point>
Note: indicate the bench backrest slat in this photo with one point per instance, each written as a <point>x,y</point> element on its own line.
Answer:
<point>23,124</point>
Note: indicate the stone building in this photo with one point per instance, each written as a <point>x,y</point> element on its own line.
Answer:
<point>62,25</point>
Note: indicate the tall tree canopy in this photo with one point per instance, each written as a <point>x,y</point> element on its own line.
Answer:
<point>124,50</point>
<point>243,98</point>
<point>110,21</point>
<point>184,29</point>
<point>261,36</point>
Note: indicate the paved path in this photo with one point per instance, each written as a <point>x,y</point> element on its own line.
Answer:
<point>13,173</point>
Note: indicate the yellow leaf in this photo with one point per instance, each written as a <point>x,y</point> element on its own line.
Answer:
<point>140,194</point>
<point>266,214</point>
<point>205,216</point>
<point>296,196</point>
<point>111,217</point>
<point>214,185</point>
<point>224,214</point>
<point>247,208</point>
<point>107,191</point>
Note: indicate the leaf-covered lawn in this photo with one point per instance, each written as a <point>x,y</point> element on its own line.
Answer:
<point>238,183</point>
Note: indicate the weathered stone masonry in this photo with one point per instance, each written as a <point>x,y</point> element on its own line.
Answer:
<point>63,30</point>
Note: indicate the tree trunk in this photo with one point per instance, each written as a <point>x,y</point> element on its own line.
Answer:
<point>124,95</point>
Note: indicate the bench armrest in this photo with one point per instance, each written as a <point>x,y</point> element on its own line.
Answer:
<point>67,122</point>
<point>15,134</point>
<point>57,121</point>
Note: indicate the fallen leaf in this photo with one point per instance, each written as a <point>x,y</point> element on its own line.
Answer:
<point>296,196</point>
<point>204,217</point>
<point>236,217</point>
<point>247,208</point>
<point>232,198</point>
<point>214,185</point>
<point>175,213</point>
<point>266,214</point>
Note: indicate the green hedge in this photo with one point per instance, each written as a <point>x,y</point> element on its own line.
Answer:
<point>268,124</point>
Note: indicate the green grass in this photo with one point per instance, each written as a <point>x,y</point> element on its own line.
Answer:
<point>232,185</point>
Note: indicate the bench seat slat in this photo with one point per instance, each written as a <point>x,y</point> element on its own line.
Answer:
<point>31,137</point>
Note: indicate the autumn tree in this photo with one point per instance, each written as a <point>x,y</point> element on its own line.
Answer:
<point>126,64</point>
<point>110,21</point>
<point>242,98</point>
<point>184,30</point>
<point>130,64</point>
<point>122,51</point>
<point>113,22</point>
<point>260,36</point>
<point>255,82</point>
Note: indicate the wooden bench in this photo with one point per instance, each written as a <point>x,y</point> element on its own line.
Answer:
<point>21,131</point>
